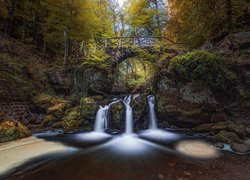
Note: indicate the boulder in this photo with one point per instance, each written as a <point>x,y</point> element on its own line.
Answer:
<point>11,130</point>
<point>227,137</point>
<point>57,110</point>
<point>43,101</point>
<point>241,148</point>
<point>72,120</point>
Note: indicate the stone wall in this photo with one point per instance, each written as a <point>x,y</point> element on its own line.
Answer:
<point>19,111</point>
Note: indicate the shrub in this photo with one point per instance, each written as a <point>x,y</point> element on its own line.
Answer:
<point>209,68</point>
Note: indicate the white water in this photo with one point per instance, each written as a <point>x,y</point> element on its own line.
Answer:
<point>101,120</point>
<point>129,115</point>
<point>152,114</point>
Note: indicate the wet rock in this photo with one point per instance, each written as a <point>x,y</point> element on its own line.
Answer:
<point>117,113</point>
<point>72,120</point>
<point>219,145</point>
<point>227,137</point>
<point>241,148</point>
<point>11,130</point>
<point>140,110</point>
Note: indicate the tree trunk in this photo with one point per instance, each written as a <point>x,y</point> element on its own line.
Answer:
<point>66,47</point>
<point>157,18</point>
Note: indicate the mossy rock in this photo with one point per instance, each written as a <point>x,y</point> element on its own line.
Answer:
<point>43,101</point>
<point>227,137</point>
<point>72,120</point>
<point>208,68</point>
<point>49,120</point>
<point>88,107</point>
<point>117,114</point>
<point>57,110</point>
<point>10,130</point>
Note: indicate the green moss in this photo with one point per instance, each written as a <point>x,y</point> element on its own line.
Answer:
<point>43,100</point>
<point>14,80</point>
<point>88,107</point>
<point>57,110</point>
<point>10,131</point>
<point>208,68</point>
<point>49,120</point>
<point>117,111</point>
<point>72,120</point>
<point>227,137</point>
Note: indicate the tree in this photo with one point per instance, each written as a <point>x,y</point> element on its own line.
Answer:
<point>198,21</point>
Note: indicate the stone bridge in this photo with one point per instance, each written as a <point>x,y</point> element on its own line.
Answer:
<point>122,48</point>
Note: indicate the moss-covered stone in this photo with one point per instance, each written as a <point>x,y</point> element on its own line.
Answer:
<point>43,101</point>
<point>117,112</point>
<point>208,68</point>
<point>227,137</point>
<point>49,120</point>
<point>88,107</point>
<point>72,120</point>
<point>57,110</point>
<point>10,130</point>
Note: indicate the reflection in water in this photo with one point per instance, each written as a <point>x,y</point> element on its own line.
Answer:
<point>160,136</point>
<point>196,149</point>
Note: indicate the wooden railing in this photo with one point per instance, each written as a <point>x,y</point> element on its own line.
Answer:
<point>133,41</point>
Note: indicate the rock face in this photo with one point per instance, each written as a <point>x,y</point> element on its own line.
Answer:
<point>117,114</point>
<point>11,130</point>
<point>92,81</point>
<point>241,41</point>
<point>191,104</point>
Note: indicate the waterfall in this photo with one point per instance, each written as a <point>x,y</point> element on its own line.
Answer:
<point>152,114</point>
<point>129,115</point>
<point>101,120</point>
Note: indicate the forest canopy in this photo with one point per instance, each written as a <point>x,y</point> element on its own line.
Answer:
<point>67,27</point>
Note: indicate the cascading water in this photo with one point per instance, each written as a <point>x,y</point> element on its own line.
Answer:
<point>152,114</point>
<point>101,120</point>
<point>129,115</point>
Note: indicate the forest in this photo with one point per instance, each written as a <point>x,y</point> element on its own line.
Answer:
<point>124,89</point>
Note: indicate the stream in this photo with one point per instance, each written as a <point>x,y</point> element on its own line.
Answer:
<point>150,154</point>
